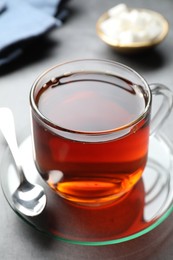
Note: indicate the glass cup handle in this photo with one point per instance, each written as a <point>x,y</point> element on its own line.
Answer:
<point>165,106</point>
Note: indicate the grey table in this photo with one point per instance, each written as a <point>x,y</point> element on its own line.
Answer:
<point>77,39</point>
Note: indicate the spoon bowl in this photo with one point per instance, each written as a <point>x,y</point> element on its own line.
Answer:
<point>28,199</point>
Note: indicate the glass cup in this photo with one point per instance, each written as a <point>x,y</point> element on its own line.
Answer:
<point>91,126</point>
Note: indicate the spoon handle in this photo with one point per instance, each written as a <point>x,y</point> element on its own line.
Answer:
<point>7,128</point>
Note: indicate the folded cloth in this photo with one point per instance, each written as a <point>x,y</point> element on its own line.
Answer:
<point>2,6</point>
<point>22,20</point>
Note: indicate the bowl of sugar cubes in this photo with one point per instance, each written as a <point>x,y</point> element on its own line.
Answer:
<point>129,29</point>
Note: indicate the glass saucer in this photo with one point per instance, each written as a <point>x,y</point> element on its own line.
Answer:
<point>142,210</point>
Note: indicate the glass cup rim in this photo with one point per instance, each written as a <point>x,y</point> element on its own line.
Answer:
<point>112,130</point>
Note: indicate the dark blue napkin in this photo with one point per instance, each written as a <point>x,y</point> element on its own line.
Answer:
<point>23,20</point>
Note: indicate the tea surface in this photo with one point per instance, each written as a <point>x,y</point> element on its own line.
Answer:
<point>91,102</point>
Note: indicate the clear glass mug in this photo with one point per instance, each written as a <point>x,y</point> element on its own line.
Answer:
<point>91,126</point>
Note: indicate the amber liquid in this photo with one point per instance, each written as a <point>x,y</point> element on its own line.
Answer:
<point>89,171</point>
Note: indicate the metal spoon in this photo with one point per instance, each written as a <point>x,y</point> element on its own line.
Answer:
<point>29,199</point>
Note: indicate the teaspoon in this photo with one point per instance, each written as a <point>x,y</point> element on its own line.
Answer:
<point>29,199</point>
